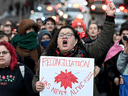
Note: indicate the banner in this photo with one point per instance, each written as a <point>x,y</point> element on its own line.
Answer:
<point>67,76</point>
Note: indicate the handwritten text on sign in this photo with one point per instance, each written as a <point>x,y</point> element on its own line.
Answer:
<point>64,76</point>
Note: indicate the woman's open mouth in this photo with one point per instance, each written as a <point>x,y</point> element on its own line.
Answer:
<point>64,43</point>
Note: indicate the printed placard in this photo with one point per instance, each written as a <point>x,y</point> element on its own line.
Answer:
<point>67,76</point>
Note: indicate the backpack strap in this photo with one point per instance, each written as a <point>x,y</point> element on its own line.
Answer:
<point>22,69</point>
<point>39,51</point>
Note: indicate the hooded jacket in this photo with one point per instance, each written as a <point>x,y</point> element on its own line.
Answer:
<point>30,56</point>
<point>43,32</point>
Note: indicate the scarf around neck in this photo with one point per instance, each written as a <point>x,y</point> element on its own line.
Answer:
<point>28,41</point>
<point>70,53</point>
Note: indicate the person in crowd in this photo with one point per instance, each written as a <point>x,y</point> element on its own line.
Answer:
<point>78,24</point>
<point>14,77</point>
<point>26,43</point>
<point>50,24</point>
<point>39,22</point>
<point>8,30</point>
<point>116,36</point>
<point>122,66</point>
<point>9,22</point>
<point>5,38</point>
<point>110,63</point>
<point>101,80</point>
<point>92,33</point>
<point>44,38</point>
<point>59,24</point>
<point>67,43</point>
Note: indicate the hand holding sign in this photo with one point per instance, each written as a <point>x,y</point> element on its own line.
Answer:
<point>66,76</point>
<point>96,71</point>
<point>40,86</point>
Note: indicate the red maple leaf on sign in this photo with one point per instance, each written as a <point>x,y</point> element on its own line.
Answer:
<point>66,79</point>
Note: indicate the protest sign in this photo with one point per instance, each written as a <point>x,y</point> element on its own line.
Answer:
<point>67,76</point>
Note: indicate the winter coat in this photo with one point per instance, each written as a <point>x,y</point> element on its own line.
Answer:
<point>89,40</point>
<point>100,80</point>
<point>95,49</point>
<point>30,57</point>
<point>111,68</point>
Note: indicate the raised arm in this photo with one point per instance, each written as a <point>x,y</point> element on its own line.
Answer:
<point>100,46</point>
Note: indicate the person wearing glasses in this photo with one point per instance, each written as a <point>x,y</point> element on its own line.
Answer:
<point>67,44</point>
<point>5,38</point>
<point>12,83</point>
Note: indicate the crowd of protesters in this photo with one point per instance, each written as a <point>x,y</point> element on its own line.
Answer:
<point>22,44</point>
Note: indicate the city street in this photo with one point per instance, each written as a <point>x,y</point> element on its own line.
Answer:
<point>63,48</point>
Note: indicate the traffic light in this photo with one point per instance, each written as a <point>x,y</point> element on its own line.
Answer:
<point>27,4</point>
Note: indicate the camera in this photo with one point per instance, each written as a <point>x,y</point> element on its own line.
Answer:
<point>125,38</point>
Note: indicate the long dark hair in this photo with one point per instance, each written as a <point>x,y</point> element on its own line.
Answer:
<point>51,49</point>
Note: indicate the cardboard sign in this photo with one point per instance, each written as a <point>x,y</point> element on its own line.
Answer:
<point>67,76</point>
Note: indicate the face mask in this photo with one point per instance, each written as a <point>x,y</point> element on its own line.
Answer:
<point>81,33</point>
<point>45,44</point>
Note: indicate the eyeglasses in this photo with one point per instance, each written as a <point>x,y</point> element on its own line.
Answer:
<point>4,52</point>
<point>69,35</point>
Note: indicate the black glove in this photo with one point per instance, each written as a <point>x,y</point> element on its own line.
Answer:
<point>29,62</point>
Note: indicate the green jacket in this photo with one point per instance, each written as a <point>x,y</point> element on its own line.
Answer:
<point>95,49</point>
